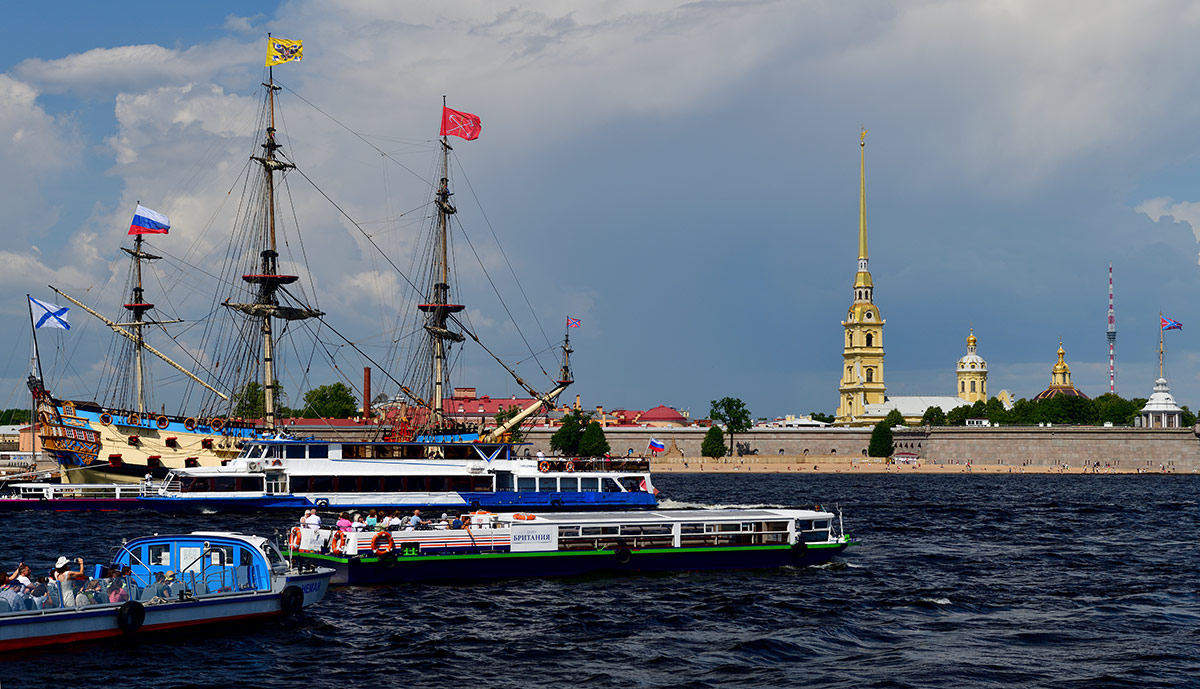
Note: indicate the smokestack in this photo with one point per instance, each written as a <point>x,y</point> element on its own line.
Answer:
<point>366,394</point>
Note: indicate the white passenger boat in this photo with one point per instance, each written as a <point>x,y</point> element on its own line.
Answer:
<point>167,582</point>
<point>491,546</point>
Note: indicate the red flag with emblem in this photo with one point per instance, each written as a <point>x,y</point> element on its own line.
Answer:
<point>460,124</point>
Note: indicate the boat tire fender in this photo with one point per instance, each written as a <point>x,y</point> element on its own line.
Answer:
<point>291,600</point>
<point>162,422</point>
<point>556,503</point>
<point>322,503</point>
<point>106,419</point>
<point>623,555</point>
<point>130,616</point>
<point>388,560</point>
<point>544,466</point>
<point>382,543</point>
<point>474,504</point>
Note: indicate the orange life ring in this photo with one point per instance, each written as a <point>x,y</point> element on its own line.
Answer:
<point>189,423</point>
<point>162,422</point>
<point>387,546</point>
<point>106,419</point>
<point>337,542</point>
<point>294,538</point>
<point>276,462</point>
<point>543,466</point>
<point>217,423</point>
<point>524,517</point>
<point>481,512</point>
<point>133,419</point>
<point>570,466</point>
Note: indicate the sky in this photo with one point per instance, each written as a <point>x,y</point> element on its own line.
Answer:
<point>680,176</point>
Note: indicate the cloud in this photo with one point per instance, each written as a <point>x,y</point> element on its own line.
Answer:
<point>1186,212</point>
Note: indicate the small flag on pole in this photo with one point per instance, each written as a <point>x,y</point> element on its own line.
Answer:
<point>281,50</point>
<point>572,322</point>
<point>47,315</point>
<point>146,221</point>
<point>460,124</point>
<point>1168,324</point>
<point>657,445</point>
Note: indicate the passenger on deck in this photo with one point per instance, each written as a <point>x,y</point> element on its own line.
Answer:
<point>10,595</point>
<point>457,523</point>
<point>358,524</point>
<point>117,592</point>
<point>395,521</point>
<point>170,587</point>
<point>21,574</point>
<point>372,520</point>
<point>66,579</point>
<point>415,521</point>
<point>312,520</point>
<point>344,523</point>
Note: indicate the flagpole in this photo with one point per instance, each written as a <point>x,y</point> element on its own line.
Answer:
<point>37,357</point>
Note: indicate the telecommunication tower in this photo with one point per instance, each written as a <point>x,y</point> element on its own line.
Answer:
<point>1112,337</point>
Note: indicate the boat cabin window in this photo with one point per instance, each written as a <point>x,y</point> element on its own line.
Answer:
<point>318,451</point>
<point>294,451</point>
<point>646,529</point>
<point>160,555</point>
<point>568,531</point>
<point>356,451</point>
<point>691,528</point>
<point>504,480</point>
<point>631,484</point>
<point>568,485</point>
<point>589,485</point>
<point>803,524</point>
<point>526,484</point>
<point>547,485</point>
<point>600,530</point>
<point>611,486</point>
<point>820,523</point>
<point>253,452</point>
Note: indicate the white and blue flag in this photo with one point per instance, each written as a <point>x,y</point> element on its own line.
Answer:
<point>47,315</point>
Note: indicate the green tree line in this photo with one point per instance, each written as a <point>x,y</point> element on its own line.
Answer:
<point>1061,409</point>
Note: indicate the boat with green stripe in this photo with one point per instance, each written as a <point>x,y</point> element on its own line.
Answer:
<point>495,546</point>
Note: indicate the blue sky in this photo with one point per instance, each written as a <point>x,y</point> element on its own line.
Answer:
<point>682,177</point>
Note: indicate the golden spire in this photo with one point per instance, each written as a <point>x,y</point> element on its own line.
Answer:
<point>862,195</point>
<point>971,338</point>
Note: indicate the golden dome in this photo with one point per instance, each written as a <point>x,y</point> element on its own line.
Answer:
<point>1061,366</point>
<point>971,338</point>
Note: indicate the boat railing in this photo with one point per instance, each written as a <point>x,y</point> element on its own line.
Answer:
<point>74,491</point>
<point>630,464</point>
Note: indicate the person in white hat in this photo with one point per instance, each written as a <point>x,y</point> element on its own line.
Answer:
<point>65,578</point>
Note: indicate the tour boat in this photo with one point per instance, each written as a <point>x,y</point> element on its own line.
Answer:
<point>294,474</point>
<point>169,582</point>
<point>508,545</point>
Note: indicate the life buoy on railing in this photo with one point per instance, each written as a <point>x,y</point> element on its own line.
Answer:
<point>294,538</point>
<point>337,542</point>
<point>106,419</point>
<point>570,466</point>
<point>387,545</point>
<point>162,422</point>
<point>276,462</point>
<point>217,423</point>
<point>524,517</point>
<point>189,423</point>
<point>543,466</point>
<point>133,419</point>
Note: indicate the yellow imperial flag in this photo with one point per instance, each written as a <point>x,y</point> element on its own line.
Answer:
<point>281,50</point>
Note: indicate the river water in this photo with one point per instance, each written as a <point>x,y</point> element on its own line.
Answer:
<point>960,581</point>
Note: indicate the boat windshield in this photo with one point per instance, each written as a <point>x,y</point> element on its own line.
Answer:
<point>278,564</point>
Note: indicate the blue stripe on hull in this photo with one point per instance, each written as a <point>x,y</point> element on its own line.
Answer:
<point>503,566</point>
<point>500,501</point>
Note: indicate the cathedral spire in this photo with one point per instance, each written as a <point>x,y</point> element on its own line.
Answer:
<point>862,200</point>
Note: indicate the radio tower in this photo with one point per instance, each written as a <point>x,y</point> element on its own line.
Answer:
<point>1112,337</point>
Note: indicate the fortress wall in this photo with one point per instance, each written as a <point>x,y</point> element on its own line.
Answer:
<point>1076,446</point>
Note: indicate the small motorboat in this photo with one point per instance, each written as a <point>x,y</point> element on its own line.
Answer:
<point>161,582</point>
<point>490,546</point>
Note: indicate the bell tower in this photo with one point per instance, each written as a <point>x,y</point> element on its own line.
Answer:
<point>862,354</point>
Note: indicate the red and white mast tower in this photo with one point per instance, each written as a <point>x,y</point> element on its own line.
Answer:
<point>1112,337</point>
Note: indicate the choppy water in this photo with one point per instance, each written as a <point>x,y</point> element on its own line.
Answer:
<point>961,581</point>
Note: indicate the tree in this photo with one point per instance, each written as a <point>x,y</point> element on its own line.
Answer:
<point>503,416</point>
<point>565,440</point>
<point>958,415</point>
<point>251,401</point>
<point>1189,419</point>
<point>996,413</point>
<point>10,417</point>
<point>881,440</point>
<point>731,412</point>
<point>894,418</point>
<point>335,401</point>
<point>593,443</point>
<point>823,418</point>
<point>714,443</point>
<point>934,416</point>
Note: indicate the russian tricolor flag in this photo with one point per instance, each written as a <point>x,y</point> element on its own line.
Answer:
<point>657,445</point>
<point>146,221</point>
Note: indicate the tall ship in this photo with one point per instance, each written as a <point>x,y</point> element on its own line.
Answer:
<point>419,446</point>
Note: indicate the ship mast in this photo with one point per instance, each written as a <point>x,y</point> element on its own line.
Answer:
<point>438,308</point>
<point>138,308</point>
<point>266,304</point>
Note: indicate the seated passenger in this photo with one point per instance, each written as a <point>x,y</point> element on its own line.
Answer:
<point>358,524</point>
<point>457,523</point>
<point>344,523</point>
<point>415,521</point>
<point>170,587</point>
<point>372,520</point>
<point>117,592</point>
